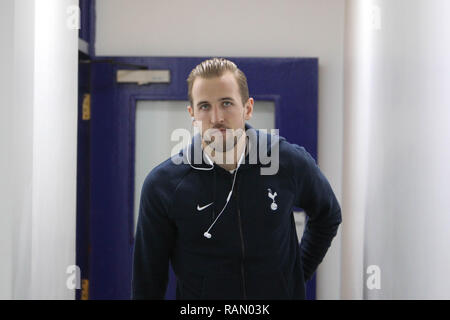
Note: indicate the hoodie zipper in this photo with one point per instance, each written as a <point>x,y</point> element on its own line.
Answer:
<point>242,242</point>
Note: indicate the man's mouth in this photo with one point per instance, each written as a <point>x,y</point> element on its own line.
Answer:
<point>222,130</point>
<point>212,134</point>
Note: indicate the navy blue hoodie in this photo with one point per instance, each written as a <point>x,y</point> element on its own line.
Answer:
<point>254,251</point>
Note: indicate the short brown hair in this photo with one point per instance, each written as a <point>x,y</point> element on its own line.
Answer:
<point>216,67</point>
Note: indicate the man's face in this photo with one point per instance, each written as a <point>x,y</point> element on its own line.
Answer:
<point>217,105</point>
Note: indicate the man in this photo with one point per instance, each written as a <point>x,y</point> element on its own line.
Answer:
<point>228,229</point>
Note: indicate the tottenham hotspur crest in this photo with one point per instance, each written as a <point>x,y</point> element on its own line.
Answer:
<point>272,196</point>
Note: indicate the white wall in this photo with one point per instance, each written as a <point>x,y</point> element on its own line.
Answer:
<point>397,155</point>
<point>38,201</point>
<point>295,28</point>
<point>6,57</point>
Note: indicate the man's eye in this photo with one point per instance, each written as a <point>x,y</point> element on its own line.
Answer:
<point>227,103</point>
<point>204,106</point>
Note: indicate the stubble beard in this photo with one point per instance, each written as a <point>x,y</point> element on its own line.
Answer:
<point>224,147</point>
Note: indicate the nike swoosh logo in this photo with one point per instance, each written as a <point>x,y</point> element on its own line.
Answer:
<point>204,207</point>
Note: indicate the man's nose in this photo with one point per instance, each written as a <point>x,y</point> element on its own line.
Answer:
<point>216,115</point>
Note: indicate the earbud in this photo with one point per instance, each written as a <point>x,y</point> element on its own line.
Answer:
<point>192,118</point>
<point>207,235</point>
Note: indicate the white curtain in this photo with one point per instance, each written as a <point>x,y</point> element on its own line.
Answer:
<point>396,179</point>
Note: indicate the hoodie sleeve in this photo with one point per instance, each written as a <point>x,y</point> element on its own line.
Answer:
<point>315,196</point>
<point>154,241</point>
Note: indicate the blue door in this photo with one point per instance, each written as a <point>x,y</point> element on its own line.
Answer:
<point>291,83</point>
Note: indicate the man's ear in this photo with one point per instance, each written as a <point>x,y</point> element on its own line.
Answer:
<point>248,112</point>
<point>191,112</point>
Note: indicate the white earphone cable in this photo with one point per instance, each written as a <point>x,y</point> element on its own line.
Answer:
<point>207,234</point>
